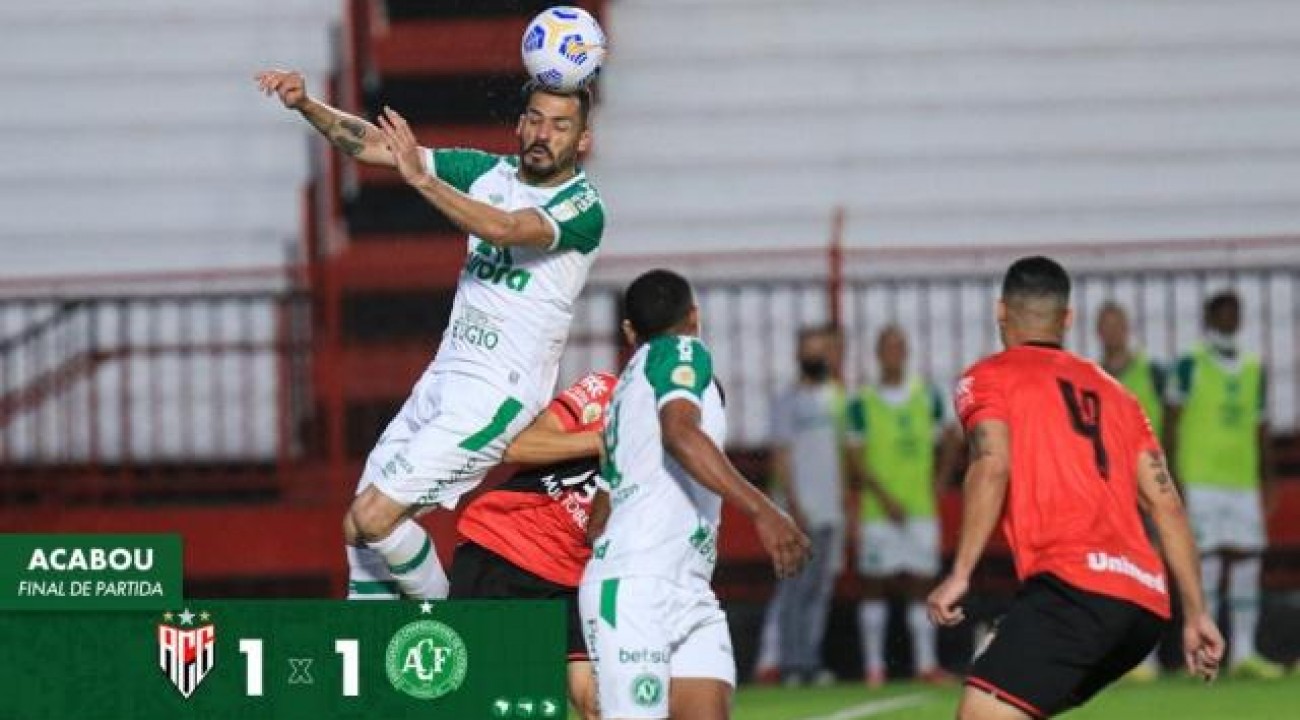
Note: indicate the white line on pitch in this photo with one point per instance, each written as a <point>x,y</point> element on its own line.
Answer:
<point>876,707</point>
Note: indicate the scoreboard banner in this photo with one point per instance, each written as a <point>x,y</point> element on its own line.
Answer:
<point>95,626</point>
<point>89,572</point>
<point>288,659</point>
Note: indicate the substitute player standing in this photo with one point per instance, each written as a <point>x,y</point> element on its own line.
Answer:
<point>904,449</point>
<point>527,538</point>
<point>534,225</point>
<point>1219,438</point>
<point>658,638</point>
<point>1071,455</point>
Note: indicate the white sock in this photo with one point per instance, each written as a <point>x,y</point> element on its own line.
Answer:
<point>413,561</point>
<point>923,650</point>
<point>1211,572</point>
<point>368,576</point>
<point>1243,604</point>
<point>769,646</point>
<point>871,618</point>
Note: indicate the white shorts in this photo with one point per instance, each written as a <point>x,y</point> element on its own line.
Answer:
<point>642,632</point>
<point>1226,519</point>
<point>449,433</point>
<point>885,548</point>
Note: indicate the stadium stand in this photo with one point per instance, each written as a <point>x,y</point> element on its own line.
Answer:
<point>127,151</point>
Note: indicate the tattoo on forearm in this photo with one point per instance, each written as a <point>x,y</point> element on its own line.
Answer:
<point>355,128</point>
<point>977,443</point>
<point>345,133</point>
<point>1157,463</point>
<point>348,145</point>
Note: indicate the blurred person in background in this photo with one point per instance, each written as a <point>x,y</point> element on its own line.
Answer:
<point>808,472</point>
<point>1129,365</point>
<point>904,448</point>
<point>1146,380</point>
<point>1219,437</point>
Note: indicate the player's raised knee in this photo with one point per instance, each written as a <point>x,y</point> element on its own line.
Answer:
<point>373,515</point>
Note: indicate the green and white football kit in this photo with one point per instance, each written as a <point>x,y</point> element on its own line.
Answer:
<point>648,609</point>
<point>494,371</point>
<point>497,364</point>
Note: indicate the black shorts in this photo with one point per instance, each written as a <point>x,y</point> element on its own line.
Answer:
<point>477,572</point>
<point>1057,646</point>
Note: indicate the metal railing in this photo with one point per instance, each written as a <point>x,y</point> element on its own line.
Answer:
<point>144,379</point>
<point>948,317</point>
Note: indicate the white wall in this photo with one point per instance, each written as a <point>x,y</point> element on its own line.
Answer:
<point>134,139</point>
<point>733,124</point>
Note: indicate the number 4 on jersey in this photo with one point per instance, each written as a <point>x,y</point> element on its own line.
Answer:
<point>1085,416</point>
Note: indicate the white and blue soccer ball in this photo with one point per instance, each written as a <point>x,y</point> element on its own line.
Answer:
<point>563,48</point>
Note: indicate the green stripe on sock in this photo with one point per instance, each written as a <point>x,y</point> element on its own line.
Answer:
<point>415,562</point>
<point>374,587</point>
<point>609,601</point>
<point>500,421</point>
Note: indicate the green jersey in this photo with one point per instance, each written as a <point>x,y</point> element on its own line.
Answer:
<point>662,522</point>
<point>510,318</point>
<point>1218,428</point>
<point>898,428</point>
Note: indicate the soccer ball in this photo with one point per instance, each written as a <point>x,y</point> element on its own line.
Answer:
<point>563,48</point>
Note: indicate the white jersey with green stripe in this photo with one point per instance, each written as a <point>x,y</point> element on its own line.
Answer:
<point>662,522</point>
<point>513,306</point>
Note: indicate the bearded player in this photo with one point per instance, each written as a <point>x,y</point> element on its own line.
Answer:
<point>1071,455</point>
<point>534,224</point>
<point>527,538</point>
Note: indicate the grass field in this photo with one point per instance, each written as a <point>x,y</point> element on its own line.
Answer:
<point>1178,699</point>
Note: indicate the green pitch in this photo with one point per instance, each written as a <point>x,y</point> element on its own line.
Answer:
<point>1171,698</point>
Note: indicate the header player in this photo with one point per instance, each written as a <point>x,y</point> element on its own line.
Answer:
<point>534,224</point>
<point>1072,456</point>
<point>656,633</point>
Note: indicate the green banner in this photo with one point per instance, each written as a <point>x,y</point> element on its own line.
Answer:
<point>89,572</point>
<point>289,659</point>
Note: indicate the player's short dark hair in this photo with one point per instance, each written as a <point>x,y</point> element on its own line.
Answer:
<point>583,95</point>
<point>1036,277</point>
<point>1222,300</point>
<point>657,302</point>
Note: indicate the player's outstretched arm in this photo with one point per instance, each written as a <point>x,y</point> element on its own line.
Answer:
<point>546,441</point>
<point>1202,643</point>
<point>599,516</point>
<point>983,493</point>
<point>350,134</point>
<point>695,451</point>
<point>526,227</point>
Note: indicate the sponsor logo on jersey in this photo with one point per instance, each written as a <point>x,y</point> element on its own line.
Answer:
<point>705,542</point>
<point>574,494</point>
<point>573,206</point>
<point>645,655</point>
<point>426,659</point>
<point>476,328</point>
<point>1103,562</point>
<point>496,266</point>
<point>186,652</point>
<point>683,375</point>
<point>963,394</point>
